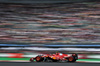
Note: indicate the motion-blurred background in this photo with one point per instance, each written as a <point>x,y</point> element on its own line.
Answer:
<point>40,27</point>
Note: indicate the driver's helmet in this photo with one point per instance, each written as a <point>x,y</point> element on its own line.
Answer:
<point>57,53</point>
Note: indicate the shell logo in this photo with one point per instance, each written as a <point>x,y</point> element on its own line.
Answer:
<point>54,57</point>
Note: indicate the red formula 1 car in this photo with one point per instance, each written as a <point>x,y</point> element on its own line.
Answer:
<point>58,57</point>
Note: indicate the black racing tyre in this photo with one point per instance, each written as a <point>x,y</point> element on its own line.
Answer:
<point>71,59</point>
<point>39,59</point>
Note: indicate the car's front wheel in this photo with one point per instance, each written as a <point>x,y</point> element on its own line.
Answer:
<point>71,59</point>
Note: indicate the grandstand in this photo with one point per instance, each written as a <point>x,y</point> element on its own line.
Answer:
<point>68,23</point>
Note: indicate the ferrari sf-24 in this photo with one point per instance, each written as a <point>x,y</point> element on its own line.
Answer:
<point>57,57</point>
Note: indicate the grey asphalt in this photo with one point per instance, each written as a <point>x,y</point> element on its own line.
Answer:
<point>48,64</point>
<point>42,1</point>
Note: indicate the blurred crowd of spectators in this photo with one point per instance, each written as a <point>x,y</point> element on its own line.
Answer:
<point>50,23</point>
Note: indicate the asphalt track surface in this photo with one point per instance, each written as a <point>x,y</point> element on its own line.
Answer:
<point>47,64</point>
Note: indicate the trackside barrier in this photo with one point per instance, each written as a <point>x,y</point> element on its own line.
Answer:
<point>21,55</point>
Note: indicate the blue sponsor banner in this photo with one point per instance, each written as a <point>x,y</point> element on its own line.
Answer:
<point>86,45</point>
<point>73,45</point>
<point>12,45</point>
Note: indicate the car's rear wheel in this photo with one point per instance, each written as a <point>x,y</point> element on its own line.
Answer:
<point>39,59</point>
<point>70,59</point>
